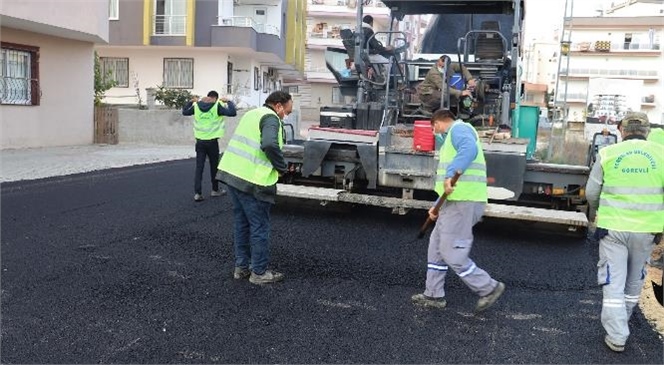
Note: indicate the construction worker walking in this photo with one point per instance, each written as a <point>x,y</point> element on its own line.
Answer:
<point>626,186</point>
<point>250,167</point>
<point>452,236</point>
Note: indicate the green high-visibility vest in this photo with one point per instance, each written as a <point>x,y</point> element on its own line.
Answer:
<point>632,197</point>
<point>471,186</point>
<point>208,125</point>
<point>656,135</point>
<point>243,158</point>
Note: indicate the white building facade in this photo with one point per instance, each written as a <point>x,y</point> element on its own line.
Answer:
<point>620,49</point>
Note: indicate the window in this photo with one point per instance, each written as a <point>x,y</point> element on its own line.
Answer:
<point>116,69</point>
<point>337,98</point>
<point>179,73</point>
<point>19,72</point>
<point>628,40</point>
<point>266,83</point>
<point>170,17</point>
<point>114,9</point>
<point>229,77</point>
<point>257,79</point>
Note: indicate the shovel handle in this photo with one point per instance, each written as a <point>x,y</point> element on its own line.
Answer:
<point>437,207</point>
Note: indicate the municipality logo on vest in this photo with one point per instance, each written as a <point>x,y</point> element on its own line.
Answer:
<point>633,169</point>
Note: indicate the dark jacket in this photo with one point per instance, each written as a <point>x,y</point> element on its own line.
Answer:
<point>229,111</point>
<point>375,46</point>
<point>269,126</point>
<point>434,79</point>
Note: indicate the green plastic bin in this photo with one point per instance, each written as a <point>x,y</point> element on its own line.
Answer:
<point>525,126</point>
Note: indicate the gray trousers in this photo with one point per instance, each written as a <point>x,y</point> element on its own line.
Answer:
<point>449,247</point>
<point>621,272</point>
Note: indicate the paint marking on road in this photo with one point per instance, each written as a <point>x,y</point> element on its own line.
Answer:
<point>555,331</point>
<point>177,275</point>
<point>349,305</point>
<point>521,316</point>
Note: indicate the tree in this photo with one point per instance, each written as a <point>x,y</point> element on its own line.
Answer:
<point>102,82</point>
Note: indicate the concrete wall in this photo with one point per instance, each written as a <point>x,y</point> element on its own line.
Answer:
<point>65,114</point>
<point>164,127</point>
<point>170,127</point>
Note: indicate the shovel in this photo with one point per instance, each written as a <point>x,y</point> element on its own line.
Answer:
<point>437,207</point>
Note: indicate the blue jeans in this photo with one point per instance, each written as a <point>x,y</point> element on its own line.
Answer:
<point>252,231</point>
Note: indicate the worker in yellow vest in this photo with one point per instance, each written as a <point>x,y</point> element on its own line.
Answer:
<point>209,126</point>
<point>656,134</point>
<point>250,167</point>
<point>452,237</point>
<point>626,186</point>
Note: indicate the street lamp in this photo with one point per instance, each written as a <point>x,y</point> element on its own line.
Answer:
<point>565,47</point>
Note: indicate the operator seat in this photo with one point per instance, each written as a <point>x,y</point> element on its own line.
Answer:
<point>489,46</point>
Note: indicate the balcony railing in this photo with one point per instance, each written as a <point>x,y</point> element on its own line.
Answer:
<point>347,3</point>
<point>248,22</point>
<point>616,47</point>
<point>169,25</point>
<point>587,72</point>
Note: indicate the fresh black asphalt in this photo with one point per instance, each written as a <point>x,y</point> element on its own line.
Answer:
<point>122,266</point>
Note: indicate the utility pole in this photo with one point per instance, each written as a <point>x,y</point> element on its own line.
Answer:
<point>560,107</point>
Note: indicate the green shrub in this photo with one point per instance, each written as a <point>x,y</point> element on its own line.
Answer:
<point>173,98</point>
<point>102,82</point>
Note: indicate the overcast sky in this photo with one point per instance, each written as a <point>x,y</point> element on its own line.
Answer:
<point>544,16</point>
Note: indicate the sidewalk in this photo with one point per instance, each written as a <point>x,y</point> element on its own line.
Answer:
<point>38,163</point>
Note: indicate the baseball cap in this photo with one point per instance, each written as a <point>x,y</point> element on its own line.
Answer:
<point>635,118</point>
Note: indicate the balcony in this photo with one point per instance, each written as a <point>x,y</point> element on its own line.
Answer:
<point>586,73</point>
<point>245,33</point>
<point>169,25</point>
<point>624,49</point>
<point>323,35</point>
<point>319,74</point>
<point>580,98</point>
<point>248,22</point>
<point>345,8</point>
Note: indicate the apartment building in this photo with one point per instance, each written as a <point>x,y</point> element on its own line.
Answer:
<point>243,48</point>
<point>626,8</point>
<point>47,71</point>
<point>610,51</point>
<point>325,20</point>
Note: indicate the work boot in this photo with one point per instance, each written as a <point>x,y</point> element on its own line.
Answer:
<point>241,273</point>
<point>268,277</point>
<point>198,197</point>
<point>425,301</point>
<point>216,193</point>
<point>486,301</point>
<point>613,346</point>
